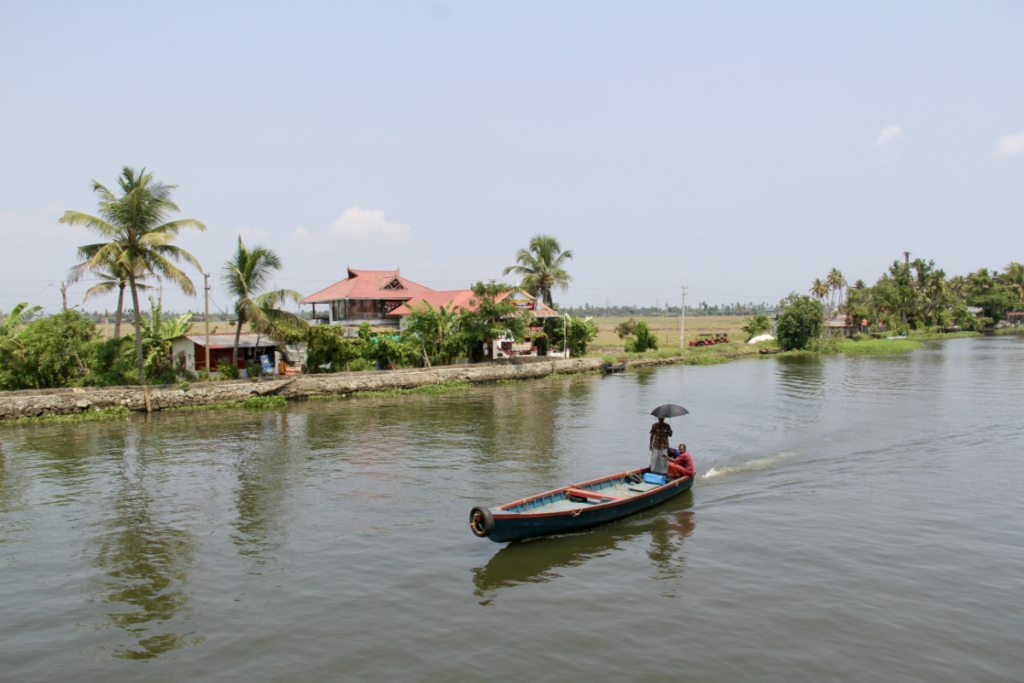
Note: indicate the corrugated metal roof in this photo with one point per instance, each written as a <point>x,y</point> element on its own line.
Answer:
<point>369,284</point>
<point>227,341</point>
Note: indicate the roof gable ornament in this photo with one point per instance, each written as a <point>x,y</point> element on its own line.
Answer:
<point>394,283</point>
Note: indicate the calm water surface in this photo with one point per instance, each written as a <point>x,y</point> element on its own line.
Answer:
<point>857,519</point>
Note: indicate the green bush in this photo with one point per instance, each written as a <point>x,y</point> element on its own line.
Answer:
<point>227,369</point>
<point>643,340</point>
<point>360,365</point>
<point>264,402</point>
<point>800,322</point>
<point>254,370</point>
<point>326,347</point>
<point>579,333</point>
<point>47,353</point>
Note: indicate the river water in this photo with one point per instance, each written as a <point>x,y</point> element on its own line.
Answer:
<point>856,519</point>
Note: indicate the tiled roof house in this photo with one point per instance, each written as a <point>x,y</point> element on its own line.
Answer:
<point>366,295</point>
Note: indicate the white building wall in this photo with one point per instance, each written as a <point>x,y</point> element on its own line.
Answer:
<point>188,347</point>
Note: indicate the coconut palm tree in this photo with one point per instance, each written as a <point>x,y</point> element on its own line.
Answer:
<point>139,237</point>
<point>958,286</point>
<point>819,290</point>
<point>112,276</point>
<point>245,275</point>
<point>542,267</point>
<point>836,283</point>
<point>1014,277</point>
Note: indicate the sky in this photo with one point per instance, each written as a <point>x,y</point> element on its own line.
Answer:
<point>740,149</point>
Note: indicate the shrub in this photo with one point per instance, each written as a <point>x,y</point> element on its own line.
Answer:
<point>325,347</point>
<point>643,341</point>
<point>264,402</point>
<point>579,333</point>
<point>227,369</point>
<point>254,370</point>
<point>800,322</point>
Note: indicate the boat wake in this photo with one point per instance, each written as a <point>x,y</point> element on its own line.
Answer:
<point>750,465</point>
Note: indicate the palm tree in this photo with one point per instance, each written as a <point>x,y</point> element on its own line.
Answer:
<point>819,290</point>
<point>113,277</point>
<point>244,275</point>
<point>140,237</point>
<point>541,267</point>
<point>1015,278</point>
<point>836,283</point>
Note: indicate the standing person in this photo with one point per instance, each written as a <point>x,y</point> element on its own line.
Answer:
<point>659,446</point>
<point>682,463</point>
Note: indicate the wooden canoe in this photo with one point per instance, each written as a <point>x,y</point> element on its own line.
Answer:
<point>609,368</point>
<point>575,507</point>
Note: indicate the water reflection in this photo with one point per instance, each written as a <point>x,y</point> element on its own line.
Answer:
<point>264,468</point>
<point>539,561</point>
<point>146,563</point>
<point>801,377</point>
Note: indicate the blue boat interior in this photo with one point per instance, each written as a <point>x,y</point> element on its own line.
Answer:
<point>616,489</point>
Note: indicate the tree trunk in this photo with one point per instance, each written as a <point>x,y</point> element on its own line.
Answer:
<point>238,334</point>
<point>120,306</point>
<point>138,329</point>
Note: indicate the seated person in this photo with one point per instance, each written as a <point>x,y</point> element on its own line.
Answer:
<point>681,464</point>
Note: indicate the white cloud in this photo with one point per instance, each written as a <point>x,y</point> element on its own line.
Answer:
<point>888,134</point>
<point>361,225</point>
<point>1010,146</point>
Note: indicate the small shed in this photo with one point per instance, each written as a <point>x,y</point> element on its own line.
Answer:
<point>250,348</point>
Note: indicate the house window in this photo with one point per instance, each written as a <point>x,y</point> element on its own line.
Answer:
<point>394,284</point>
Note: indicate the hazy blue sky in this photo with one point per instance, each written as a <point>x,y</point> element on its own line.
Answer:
<point>740,148</point>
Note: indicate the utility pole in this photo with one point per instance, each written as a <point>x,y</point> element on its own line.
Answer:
<point>906,258</point>
<point>682,321</point>
<point>206,318</point>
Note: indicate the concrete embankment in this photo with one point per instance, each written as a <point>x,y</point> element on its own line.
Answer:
<point>19,404</point>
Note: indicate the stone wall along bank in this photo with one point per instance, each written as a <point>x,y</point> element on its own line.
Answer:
<point>18,404</point>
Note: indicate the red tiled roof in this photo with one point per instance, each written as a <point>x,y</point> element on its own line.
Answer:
<point>459,298</point>
<point>368,284</point>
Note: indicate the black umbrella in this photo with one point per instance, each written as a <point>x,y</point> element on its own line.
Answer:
<point>669,410</point>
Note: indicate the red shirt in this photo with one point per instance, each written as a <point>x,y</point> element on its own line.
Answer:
<point>684,462</point>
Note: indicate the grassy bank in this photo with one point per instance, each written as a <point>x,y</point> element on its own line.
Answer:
<point>426,389</point>
<point>103,415</point>
<point>876,346</point>
<point>253,403</point>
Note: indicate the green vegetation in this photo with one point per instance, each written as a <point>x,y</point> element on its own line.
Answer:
<point>102,415</point>
<point>139,238</point>
<point>542,267</point>
<point>758,325</point>
<point>264,402</point>
<point>916,295</point>
<point>326,350</point>
<point>800,322</point>
<point>45,353</point>
<point>244,276</point>
<point>219,405</point>
<point>426,389</point>
<point>642,339</point>
<point>877,346</point>
<point>579,332</point>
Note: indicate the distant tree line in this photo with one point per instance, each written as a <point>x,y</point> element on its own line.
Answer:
<point>702,309</point>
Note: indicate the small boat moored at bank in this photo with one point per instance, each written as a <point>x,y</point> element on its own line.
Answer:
<point>575,507</point>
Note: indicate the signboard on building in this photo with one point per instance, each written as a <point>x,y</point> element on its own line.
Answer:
<point>523,302</point>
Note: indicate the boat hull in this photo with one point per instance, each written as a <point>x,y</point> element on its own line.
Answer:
<point>516,527</point>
